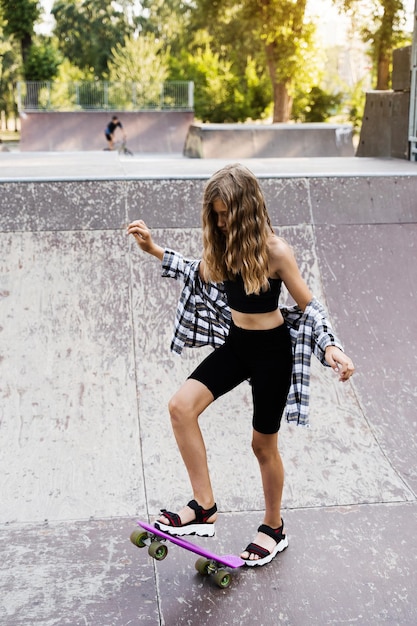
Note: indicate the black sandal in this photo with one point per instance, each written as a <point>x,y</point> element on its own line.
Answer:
<point>199,526</point>
<point>264,555</point>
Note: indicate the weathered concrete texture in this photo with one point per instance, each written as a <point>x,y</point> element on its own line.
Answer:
<point>385,123</point>
<point>176,202</point>
<point>376,275</point>
<point>364,200</point>
<point>401,68</point>
<point>352,564</point>
<point>384,130</point>
<point>64,205</point>
<point>213,141</point>
<point>330,574</point>
<point>74,574</point>
<point>67,378</point>
<point>86,373</point>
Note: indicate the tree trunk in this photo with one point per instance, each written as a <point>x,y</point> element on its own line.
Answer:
<point>282,103</point>
<point>282,99</point>
<point>26,43</point>
<point>385,43</point>
<point>383,73</point>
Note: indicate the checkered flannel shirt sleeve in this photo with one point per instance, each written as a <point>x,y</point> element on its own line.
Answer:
<point>310,333</point>
<point>202,317</point>
<point>175,266</point>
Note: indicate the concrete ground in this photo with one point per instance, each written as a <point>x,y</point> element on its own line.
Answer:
<point>86,373</point>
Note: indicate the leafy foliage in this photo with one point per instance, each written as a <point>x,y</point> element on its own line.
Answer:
<point>20,17</point>
<point>221,94</point>
<point>87,30</point>
<point>142,63</point>
<point>10,66</point>
<point>142,59</point>
<point>19,20</point>
<point>273,32</point>
<point>43,61</point>
<point>319,106</point>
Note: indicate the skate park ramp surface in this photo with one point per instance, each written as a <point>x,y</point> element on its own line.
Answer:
<point>86,374</point>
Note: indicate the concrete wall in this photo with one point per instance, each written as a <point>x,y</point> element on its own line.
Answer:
<point>384,131</point>
<point>212,141</point>
<point>147,132</point>
<point>111,204</point>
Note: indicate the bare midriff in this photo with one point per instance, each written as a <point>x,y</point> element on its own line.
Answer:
<point>257,321</point>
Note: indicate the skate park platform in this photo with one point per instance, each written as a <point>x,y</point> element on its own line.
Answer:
<point>86,374</point>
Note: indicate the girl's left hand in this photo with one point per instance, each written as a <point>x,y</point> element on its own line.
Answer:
<point>339,362</point>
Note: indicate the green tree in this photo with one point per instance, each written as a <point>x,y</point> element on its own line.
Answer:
<point>139,59</point>
<point>87,30</point>
<point>383,28</point>
<point>281,26</point>
<point>275,31</point>
<point>42,62</point>
<point>168,20</point>
<point>221,93</point>
<point>355,104</point>
<point>141,66</point>
<point>10,67</point>
<point>70,73</point>
<point>318,105</point>
<point>20,17</point>
<point>39,60</point>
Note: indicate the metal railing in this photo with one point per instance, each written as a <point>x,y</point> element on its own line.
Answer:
<point>105,96</point>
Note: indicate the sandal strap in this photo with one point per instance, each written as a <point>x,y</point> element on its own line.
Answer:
<point>201,515</point>
<point>253,548</point>
<point>277,534</point>
<point>174,518</point>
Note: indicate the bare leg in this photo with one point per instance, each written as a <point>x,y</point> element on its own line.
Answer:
<point>185,407</point>
<point>266,451</point>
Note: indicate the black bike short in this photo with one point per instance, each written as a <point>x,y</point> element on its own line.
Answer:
<point>262,356</point>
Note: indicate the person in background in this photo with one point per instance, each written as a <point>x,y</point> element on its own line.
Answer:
<point>111,129</point>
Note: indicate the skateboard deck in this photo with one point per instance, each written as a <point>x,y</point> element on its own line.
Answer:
<point>208,564</point>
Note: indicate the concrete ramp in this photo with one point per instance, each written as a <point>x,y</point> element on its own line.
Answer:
<point>237,141</point>
<point>81,131</point>
<point>86,374</point>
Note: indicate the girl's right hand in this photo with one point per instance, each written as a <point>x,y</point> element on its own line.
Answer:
<point>143,238</point>
<point>142,234</point>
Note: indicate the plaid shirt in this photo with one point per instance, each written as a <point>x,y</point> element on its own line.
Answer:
<point>203,318</point>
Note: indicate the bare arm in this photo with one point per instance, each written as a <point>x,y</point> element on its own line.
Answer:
<point>284,265</point>
<point>143,238</point>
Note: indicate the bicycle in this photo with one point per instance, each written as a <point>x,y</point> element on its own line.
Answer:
<point>122,148</point>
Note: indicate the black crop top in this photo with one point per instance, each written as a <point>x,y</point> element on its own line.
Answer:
<point>265,302</point>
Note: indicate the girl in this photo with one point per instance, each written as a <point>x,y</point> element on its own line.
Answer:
<point>243,258</point>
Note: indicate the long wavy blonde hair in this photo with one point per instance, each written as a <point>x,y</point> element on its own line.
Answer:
<point>244,248</point>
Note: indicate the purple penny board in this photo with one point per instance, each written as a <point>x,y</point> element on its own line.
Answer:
<point>229,560</point>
